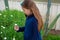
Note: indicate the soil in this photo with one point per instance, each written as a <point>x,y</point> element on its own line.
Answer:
<point>53,31</point>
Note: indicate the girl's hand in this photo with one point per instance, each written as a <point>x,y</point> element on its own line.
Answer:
<point>16,27</point>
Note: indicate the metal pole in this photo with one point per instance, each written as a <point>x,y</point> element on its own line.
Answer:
<point>47,16</point>
<point>6,4</point>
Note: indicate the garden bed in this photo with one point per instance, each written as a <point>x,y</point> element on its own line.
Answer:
<point>53,31</point>
<point>52,37</point>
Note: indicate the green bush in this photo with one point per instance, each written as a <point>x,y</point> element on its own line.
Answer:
<point>7,20</point>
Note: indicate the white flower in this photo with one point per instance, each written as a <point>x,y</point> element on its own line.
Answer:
<point>2,26</point>
<point>0,14</point>
<point>11,15</point>
<point>1,32</point>
<point>15,24</point>
<point>13,38</point>
<point>5,38</point>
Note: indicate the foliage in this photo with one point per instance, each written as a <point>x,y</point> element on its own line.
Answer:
<point>7,20</point>
<point>52,37</point>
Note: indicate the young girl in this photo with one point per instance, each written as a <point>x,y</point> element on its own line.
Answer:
<point>33,23</point>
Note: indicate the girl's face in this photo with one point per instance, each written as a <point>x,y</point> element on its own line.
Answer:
<point>27,11</point>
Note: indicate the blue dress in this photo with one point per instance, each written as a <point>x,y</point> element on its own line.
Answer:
<point>31,29</point>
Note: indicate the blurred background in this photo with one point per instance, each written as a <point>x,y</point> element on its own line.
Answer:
<point>11,13</point>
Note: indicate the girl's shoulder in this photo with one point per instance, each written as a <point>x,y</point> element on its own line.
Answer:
<point>33,19</point>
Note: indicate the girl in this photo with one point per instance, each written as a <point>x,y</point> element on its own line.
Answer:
<point>33,23</point>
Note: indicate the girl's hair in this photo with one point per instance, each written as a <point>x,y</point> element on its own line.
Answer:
<point>28,4</point>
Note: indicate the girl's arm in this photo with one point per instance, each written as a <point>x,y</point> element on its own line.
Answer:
<point>21,29</point>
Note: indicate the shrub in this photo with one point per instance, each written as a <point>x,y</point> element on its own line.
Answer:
<point>7,20</point>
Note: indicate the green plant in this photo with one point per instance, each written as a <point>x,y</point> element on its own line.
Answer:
<point>53,23</point>
<point>50,26</point>
<point>7,20</point>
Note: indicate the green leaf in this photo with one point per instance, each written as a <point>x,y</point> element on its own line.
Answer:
<point>53,23</point>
